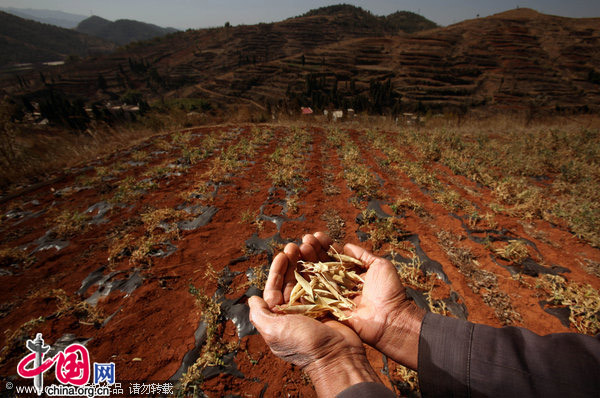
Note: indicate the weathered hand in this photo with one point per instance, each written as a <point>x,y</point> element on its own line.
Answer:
<point>384,317</point>
<point>302,340</point>
<point>330,352</point>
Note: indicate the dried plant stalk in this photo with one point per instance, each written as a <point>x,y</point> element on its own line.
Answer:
<point>326,287</point>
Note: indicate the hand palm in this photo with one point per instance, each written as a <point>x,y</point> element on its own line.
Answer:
<point>298,338</point>
<point>303,340</point>
<point>382,295</point>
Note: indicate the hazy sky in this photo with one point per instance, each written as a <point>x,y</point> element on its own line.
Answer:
<point>185,14</point>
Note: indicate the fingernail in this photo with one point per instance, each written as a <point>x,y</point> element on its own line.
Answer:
<point>249,305</point>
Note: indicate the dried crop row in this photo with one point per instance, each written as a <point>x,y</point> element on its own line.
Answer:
<point>231,155</point>
<point>357,175</point>
<point>157,208</point>
<point>429,174</point>
<point>195,246</point>
<point>184,152</point>
<point>69,222</point>
<point>191,263</point>
<point>481,281</point>
<point>514,252</point>
<point>287,168</point>
<point>465,201</point>
<point>219,344</point>
<point>362,181</point>
<point>339,218</point>
<point>394,161</point>
<point>287,164</point>
<point>87,239</point>
<point>389,236</point>
<point>401,158</point>
<point>535,173</point>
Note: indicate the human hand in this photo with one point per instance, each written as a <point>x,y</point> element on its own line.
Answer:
<point>384,317</point>
<point>330,352</point>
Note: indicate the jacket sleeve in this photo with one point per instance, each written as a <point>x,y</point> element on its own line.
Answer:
<point>366,390</point>
<point>461,359</point>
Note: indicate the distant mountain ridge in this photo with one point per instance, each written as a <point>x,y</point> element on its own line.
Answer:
<point>121,31</point>
<point>409,22</point>
<point>59,18</point>
<point>349,58</point>
<point>26,41</point>
<point>400,21</point>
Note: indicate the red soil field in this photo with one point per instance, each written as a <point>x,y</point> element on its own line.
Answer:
<point>147,323</point>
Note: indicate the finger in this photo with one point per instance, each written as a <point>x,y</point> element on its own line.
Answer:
<point>292,252</point>
<point>308,252</point>
<point>311,240</point>
<point>274,286</point>
<point>320,252</point>
<point>319,249</point>
<point>361,254</point>
<point>324,240</point>
<point>260,316</point>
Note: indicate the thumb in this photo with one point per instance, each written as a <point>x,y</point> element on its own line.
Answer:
<point>260,315</point>
<point>361,254</point>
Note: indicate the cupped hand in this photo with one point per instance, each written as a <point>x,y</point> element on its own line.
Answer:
<point>296,338</point>
<point>302,340</point>
<point>330,352</point>
<point>384,317</point>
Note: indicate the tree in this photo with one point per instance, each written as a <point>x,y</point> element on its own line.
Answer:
<point>594,77</point>
<point>58,109</point>
<point>8,134</point>
<point>381,95</point>
<point>101,82</point>
<point>132,97</point>
<point>72,58</point>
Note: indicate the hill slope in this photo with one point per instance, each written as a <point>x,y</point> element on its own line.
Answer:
<point>122,31</point>
<point>59,18</point>
<point>209,53</point>
<point>519,60</point>
<point>409,22</point>
<point>400,21</point>
<point>23,41</point>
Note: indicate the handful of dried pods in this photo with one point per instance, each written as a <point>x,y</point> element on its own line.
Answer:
<point>328,288</point>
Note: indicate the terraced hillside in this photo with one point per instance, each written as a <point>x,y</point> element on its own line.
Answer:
<point>187,58</point>
<point>148,255</point>
<point>519,60</point>
<point>514,60</point>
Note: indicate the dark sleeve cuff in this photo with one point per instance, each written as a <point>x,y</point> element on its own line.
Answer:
<point>366,390</point>
<point>459,359</point>
<point>444,355</point>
